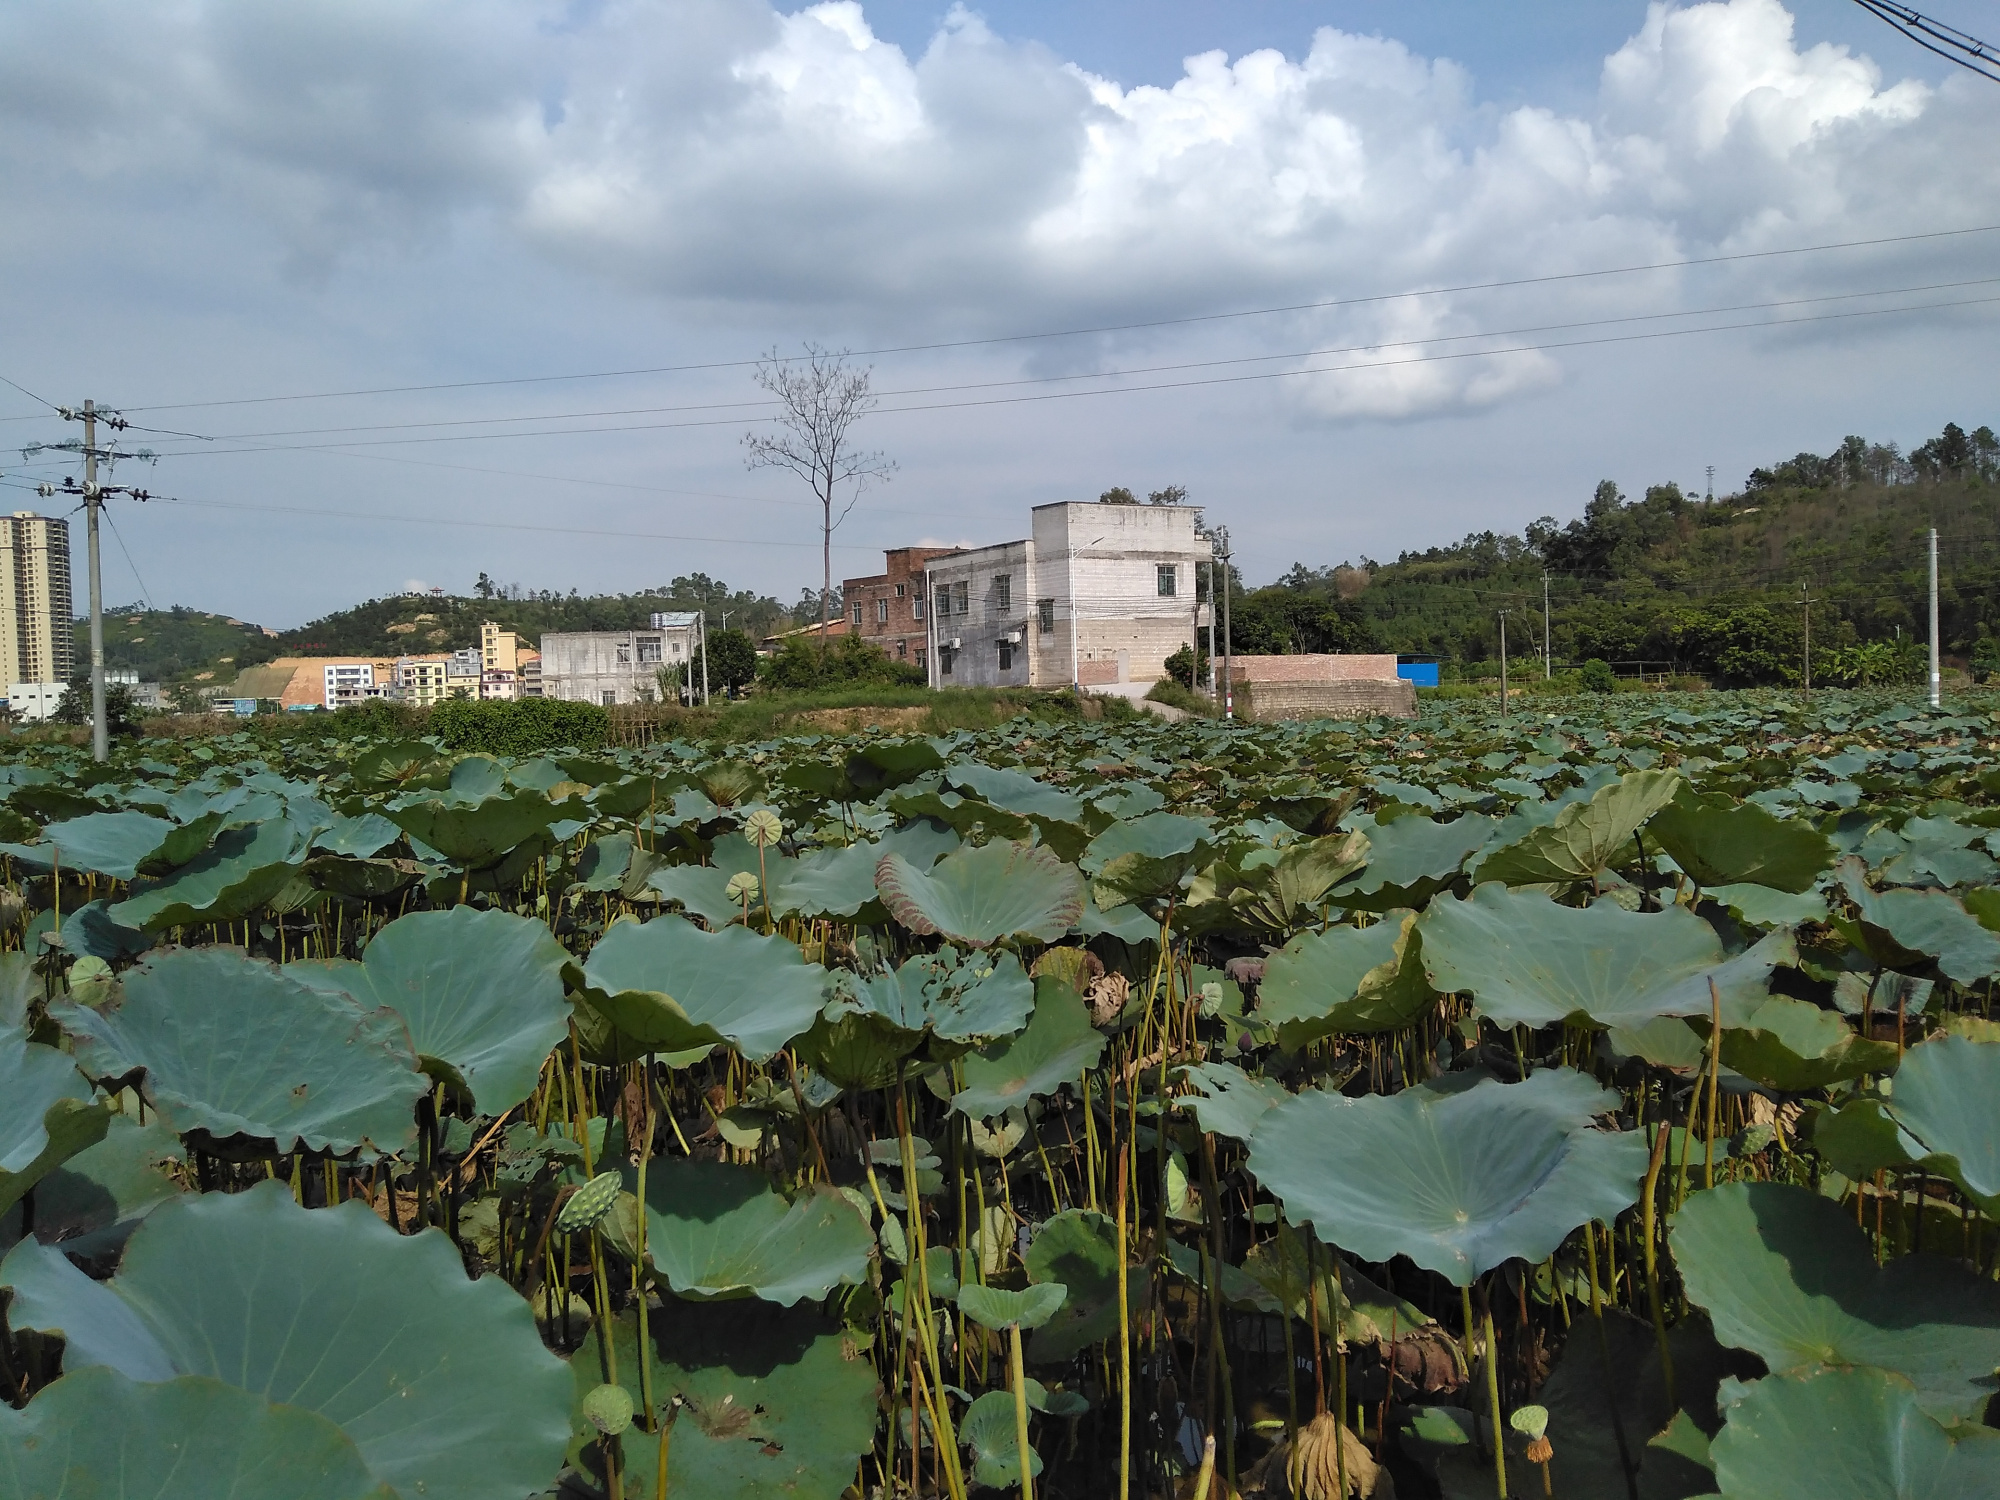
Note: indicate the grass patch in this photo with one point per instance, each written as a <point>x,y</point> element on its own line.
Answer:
<point>895,710</point>
<point>1171,693</point>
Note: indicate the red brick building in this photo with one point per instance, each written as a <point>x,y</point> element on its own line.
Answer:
<point>887,610</point>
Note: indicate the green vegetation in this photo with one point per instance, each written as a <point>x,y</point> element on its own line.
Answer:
<point>1598,1103</point>
<point>803,665</point>
<point>172,645</point>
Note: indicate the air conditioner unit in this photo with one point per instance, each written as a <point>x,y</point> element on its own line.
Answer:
<point>1011,638</point>
<point>954,643</point>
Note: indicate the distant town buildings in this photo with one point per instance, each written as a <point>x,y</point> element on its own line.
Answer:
<point>1096,595</point>
<point>34,599</point>
<point>618,666</point>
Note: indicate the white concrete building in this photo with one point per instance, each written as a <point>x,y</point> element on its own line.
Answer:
<point>617,666</point>
<point>35,702</point>
<point>349,682</point>
<point>1097,595</point>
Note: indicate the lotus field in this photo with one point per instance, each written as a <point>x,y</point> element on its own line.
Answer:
<point>1595,1106</point>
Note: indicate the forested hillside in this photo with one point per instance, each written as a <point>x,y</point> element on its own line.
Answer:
<point>1714,588</point>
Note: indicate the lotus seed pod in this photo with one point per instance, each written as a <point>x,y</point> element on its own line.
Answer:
<point>742,886</point>
<point>1530,1421</point>
<point>609,1408</point>
<point>1540,1451</point>
<point>763,828</point>
<point>588,1205</point>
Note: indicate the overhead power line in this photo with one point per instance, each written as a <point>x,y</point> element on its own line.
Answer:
<point>1128,327</point>
<point>1947,42</point>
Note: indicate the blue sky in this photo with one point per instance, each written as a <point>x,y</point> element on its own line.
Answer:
<point>436,205</point>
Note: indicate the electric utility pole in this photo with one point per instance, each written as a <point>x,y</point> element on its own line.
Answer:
<point>1548,654</point>
<point>1936,680</point>
<point>1805,604</point>
<point>1503,663</point>
<point>93,495</point>
<point>1228,678</point>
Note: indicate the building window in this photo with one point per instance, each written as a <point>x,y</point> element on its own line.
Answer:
<point>1006,657</point>
<point>649,650</point>
<point>1167,581</point>
<point>1003,591</point>
<point>945,655</point>
<point>1045,614</point>
<point>624,653</point>
<point>902,648</point>
<point>916,606</point>
<point>882,611</point>
<point>962,596</point>
<point>608,697</point>
<point>899,590</point>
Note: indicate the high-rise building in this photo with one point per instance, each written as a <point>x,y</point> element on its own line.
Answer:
<point>34,598</point>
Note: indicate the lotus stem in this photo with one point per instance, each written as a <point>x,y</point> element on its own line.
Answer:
<point>639,1271</point>
<point>1714,1070</point>
<point>1492,1392</point>
<point>1021,1410</point>
<point>1340,1365</point>
<point>1649,1216</point>
<point>1604,1352</point>
<point>1219,1352</point>
<point>1206,1476</point>
<point>918,1273</point>
<point>1124,1340</point>
<point>1291,1355</point>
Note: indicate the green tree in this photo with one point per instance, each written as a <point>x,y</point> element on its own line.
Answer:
<point>1598,676</point>
<point>1118,495</point>
<point>1189,667</point>
<point>121,706</point>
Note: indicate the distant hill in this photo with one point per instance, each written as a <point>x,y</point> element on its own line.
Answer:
<point>175,645</point>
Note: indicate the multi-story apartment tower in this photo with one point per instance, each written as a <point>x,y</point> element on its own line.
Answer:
<point>34,598</point>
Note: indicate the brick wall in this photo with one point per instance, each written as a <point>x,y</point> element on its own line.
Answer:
<point>1344,667</point>
<point>1358,698</point>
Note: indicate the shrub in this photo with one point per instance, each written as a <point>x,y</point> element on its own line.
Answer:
<point>1598,676</point>
<point>800,666</point>
<point>528,726</point>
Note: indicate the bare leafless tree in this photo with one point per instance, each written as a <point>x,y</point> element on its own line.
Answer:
<point>820,398</point>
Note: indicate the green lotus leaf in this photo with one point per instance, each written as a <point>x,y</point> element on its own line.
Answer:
<point>985,895</point>
<point>1078,1249</point>
<point>603,863</point>
<point>1459,1182</point>
<point>1788,1275</point>
<point>108,843</point>
<point>1157,835</point>
<point>244,868</point>
<point>1947,1103</point>
<point>997,1307</point>
<point>97,1434</point>
<point>20,988</point>
<point>89,932</point>
<point>1346,979</point>
<point>1794,1045</point>
<point>1411,859</point>
<point>481,993</point>
<point>1528,961</point>
<point>1761,906</point>
<point>474,832</point>
<point>362,879</point>
<point>1859,1139</point>
<point>1847,1435</point>
<point>1356,1311</point>
<point>671,987</point>
<point>717,1231</point>
<point>700,889</point>
<point>403,764</point>
<point>1130,924</point>
<point>46,1116</point>
<point>1228,1101</point>
<point>965,815</point>
<point>232,1046</point>
<point>441,1382</point>
<point>1582,839</point>
<point>90,1203</point>
<point>1720,841</point>
<point>1291,892</point>
<point>1904,927</point>
<point>97,1327</point>
<point>358,837</point>
<point>1015,792</point>
<point>960,1000</point>
<point>778,1403</point>
<point>988,1429</point>
<point>841,882</point>
<point>1057,1047</point>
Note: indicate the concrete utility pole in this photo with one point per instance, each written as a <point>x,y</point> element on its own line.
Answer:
<point>1805,603</point>
<point>1503,663</point>
<point>1937,681</point>
<point>704,658</point>
<point>1548,656</point>
<point>1228,678</point>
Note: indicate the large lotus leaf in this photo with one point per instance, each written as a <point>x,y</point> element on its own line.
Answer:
<point>96,1435</point>
<point>1287,894</point>
<point>1794,1045</point>
<point>1057,1048</point>
<point>1411,859</point>
<point>974,999</point>
<point>1761,906</point>
<point>1015,792</point>
<point>441,1382</point>
<point>966,815</point>
<point>90,1203</point>
<point>1847,1435</point>
<point>231,1045</point>
<point>1079,1250</point>
<point>1720,841</point>
<point>108,843</point>
<point>1902,926</point>
<point>671,987</point>
<point>1459,1182</point>
<point>480,991</point>
<point>474,832</point>
<point>985,895</point>
<point>1947,1101</point>
<point>50,1295</point>
<point>1228,1101</point>
<point>779,1403</point>
<point>989,1432</point>
<point>702,890</point>
<point>45,1113</point>
<point>89,932</point>
<point>1788,1275</point>
<point>1584,837</point>
<point>1355,1311</point>
<point>358,837</point>
<point>20,988</point>
<point>1528,961</point>
<point>717,1231</point>
<point>1157,835</point>
<point>1346,979</point>
<point>244,868</point>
